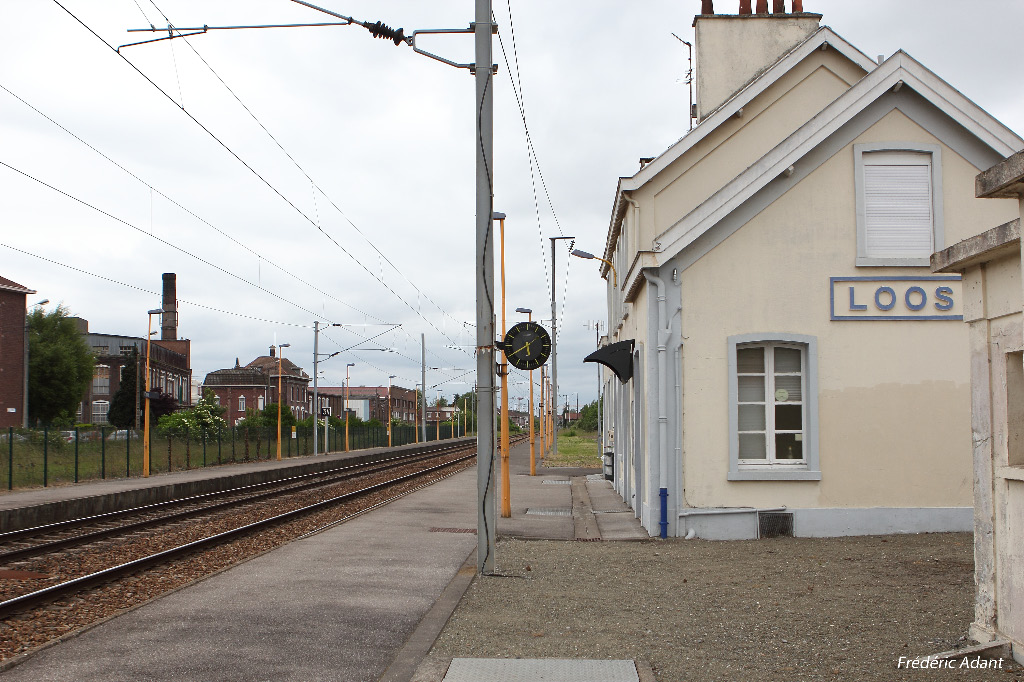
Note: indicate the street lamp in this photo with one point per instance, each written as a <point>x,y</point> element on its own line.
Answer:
<point>24,398</point>
<point>389,408</point>
<point>145,432</point>
<point>588,256</point>
<point>506,489</point>
<point>345,403</point>
<point>279,357</point>
<point>533,456</point>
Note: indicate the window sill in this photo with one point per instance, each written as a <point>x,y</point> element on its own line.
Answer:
<point>865,261</point>
<point>774,474</point>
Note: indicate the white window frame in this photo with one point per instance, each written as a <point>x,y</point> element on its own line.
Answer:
<point>934,153</point>
<point>807,469</point>
<point>105,404</point>
<point>101,384</point>
<point>241,403</point>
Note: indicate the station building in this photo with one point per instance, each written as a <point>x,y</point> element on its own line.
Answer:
<point>794,366</point>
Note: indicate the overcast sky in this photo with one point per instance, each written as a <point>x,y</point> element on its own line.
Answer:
<point>362,211</point>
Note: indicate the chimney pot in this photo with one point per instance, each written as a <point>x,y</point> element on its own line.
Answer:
<point>778,6</point>
<point>798,6</point>
<point>762,6</point>
<point>272,351</point>
<point>707,6</point>
<point>744,6</point>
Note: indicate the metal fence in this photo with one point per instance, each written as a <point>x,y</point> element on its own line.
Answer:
<point>43,457</point>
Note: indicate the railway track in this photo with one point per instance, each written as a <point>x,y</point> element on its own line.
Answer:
<point>92,556</point>
<point>21,544</point>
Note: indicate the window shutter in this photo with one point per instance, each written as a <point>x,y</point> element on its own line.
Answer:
<point>898,205</point>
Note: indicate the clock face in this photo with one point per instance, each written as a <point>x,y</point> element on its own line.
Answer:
<point>527,345</point>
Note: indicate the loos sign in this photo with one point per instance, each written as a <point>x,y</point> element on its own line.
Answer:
<point>896,298</point>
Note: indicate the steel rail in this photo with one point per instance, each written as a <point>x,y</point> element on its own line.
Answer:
<point>73,523</point>
<point>336,477</point>
<point>52,592</point>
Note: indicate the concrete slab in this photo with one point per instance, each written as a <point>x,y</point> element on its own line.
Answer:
<point>614,519</point>
<point>533,669</point>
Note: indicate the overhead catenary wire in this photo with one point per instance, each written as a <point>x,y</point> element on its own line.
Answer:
<point>248,166</point>
<point>153,189</point>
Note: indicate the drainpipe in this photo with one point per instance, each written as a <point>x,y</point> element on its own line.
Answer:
<point>663,334</point>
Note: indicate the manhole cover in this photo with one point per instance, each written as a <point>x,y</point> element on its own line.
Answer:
<point>549,511</point>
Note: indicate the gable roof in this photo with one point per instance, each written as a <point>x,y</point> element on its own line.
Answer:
<point>899,70</point>
<point>8,285</point>
<point>269,365</point>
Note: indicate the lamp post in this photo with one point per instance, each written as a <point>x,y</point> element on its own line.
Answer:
<point>145,426</point>
<point>389,409</point>
<point>554,343</point>
<point>506,489</point>
<point>279,397</point>
<point>533,456</point>
<point>24,397</point>
<point>345,402</point>
<point>588,256</point>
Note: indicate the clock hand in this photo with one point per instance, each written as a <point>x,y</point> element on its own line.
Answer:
<point>525,347</point>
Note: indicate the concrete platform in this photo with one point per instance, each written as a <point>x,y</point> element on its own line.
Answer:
<point>360,602</point>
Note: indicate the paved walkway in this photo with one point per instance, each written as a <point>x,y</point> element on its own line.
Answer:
<point>357,602</point>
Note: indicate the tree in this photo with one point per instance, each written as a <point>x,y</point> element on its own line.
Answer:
<point>206,414</point>
<point>123,404</point>
<point>60,364</point>
<point>588,417</point>
<point>288,419</point>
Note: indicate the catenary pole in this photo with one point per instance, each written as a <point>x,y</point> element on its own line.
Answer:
<point>316,405</point>
<point>554,350</point>
<point>483,110</point>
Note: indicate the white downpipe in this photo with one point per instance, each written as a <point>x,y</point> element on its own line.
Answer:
<point>662,325</point>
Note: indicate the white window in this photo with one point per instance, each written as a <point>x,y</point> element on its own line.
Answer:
<point>99,411</point>
<point>101,380</point>
<point>773,407</point>
<point>259,403</point>
<point>899,203</point>
<point>241,403</point>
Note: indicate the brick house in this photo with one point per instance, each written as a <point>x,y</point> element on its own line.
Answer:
<point>254,386</point>
<point>12,353</point>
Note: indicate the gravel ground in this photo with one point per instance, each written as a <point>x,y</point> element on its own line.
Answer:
<point>765,610</point>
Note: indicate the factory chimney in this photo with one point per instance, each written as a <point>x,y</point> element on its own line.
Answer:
<point>733,49</point>
<point>169,328</point>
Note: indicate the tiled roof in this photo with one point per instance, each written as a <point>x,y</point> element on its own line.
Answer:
<point>269,365</point>
<point>8,285</point>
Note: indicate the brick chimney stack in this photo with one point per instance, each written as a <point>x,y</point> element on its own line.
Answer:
<point>169,327</point>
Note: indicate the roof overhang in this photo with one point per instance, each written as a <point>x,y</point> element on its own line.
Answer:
<point>618,357</point>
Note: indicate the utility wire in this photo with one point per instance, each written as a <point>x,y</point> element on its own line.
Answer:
<point>187,210</point>
<point>305,173</point>
<point>247,166</point>
<point>159,239</point>
<point>154,293</point>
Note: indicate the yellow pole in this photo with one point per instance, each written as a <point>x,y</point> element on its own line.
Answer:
<point>279,403</point>
<point>346,406</point>
<point>145,433</point>
<point>506,490</point>
<point>389,412</point>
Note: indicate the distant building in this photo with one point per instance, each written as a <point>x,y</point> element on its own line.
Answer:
<point>403,402</point>
<point>12,353</point>
<point>254,386</point>
<point>170,369</point>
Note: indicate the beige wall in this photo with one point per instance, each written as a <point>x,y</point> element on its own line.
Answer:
<point>894,397</point>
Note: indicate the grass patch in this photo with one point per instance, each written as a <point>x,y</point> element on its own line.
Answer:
<point>576,449</point>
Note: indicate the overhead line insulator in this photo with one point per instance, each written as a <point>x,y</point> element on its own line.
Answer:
<point>381,30</point>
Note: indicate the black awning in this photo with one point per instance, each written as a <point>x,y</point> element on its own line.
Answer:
<point>618,357</point>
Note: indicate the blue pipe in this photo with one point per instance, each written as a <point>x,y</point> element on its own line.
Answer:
<point>663,493</point>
